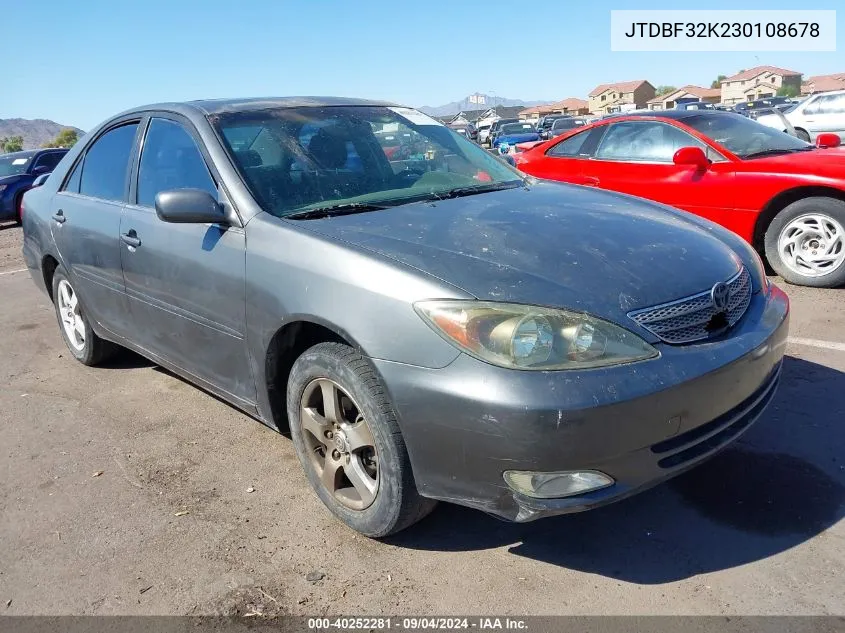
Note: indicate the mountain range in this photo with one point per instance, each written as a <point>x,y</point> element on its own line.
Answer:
<point>475,101</point>
<point>35,132</point>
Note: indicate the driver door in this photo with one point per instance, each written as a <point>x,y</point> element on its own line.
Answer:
<point>635,157</point>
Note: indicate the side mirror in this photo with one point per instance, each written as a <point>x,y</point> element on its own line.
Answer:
<point>40,180</point>
<point>41,169</point>
<point>828,139</point>
<point>189,206</point>
<point>694,156</point>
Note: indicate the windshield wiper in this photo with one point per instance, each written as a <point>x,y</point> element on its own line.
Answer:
<point>777,152</point>
<point>472,190</point>
<point>337,209</point>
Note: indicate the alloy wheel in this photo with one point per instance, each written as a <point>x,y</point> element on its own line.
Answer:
<point>812,245</point>
<point>340,444</point>
<point>71,315</point>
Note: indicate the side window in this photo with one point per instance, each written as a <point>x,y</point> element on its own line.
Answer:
<point>832,104</point>
<point>72,184</point>
<point>49,160</point>
<point>104,169</point>
<point>646,141</point>
<point>813,107</point>
<point>170,160</point>
<point>570,147</point>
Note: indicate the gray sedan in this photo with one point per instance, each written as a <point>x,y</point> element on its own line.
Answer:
<point>427,322</point>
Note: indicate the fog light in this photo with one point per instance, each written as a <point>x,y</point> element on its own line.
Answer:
<point>554,485</point>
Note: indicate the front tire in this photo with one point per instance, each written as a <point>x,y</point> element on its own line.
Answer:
<point>805,243</point>
<point>348,441</point>
<point>88,348</point>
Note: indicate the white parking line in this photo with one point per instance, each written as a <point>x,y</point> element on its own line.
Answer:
<point>814,342</point>
<point>12,272</point>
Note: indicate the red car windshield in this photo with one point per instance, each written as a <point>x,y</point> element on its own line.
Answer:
<point>744,137</point>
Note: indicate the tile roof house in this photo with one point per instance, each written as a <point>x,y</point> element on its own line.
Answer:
<point>823,83</point>
<point>685,94</point>
<point>757,83</point>
<point>607,98</point>
<point>570,105</point>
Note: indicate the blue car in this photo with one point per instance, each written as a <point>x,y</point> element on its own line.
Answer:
<point>512,133</point>
<point>18,170</point>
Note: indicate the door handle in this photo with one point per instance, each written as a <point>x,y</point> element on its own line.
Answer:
<point>591,181</point>
<point>59,216</point>
<point>130,238</point>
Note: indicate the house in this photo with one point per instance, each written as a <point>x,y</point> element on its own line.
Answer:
<point>686,94</point>
<point>607,98</point>
<point>487,117</point>
<point>758,83</point>
<point>823,83</point>
<point>570,105</point>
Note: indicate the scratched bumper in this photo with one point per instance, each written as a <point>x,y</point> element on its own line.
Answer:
<point>643,423</point>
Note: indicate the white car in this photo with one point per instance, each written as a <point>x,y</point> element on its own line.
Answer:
<point>812,116</point>
<point>484,134</point>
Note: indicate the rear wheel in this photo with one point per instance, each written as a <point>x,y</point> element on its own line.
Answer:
<point>83,343</point>
<point>19,209</point>
<point>347,439</point>
<point>802,134</point>
<point>805,243</point>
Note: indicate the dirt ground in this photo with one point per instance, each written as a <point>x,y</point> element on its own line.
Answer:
<point>125,490</point>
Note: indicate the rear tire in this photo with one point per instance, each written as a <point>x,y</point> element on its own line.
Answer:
<point>19,209</point>
<point>86,347</point>
<point>805,243</point>
<point>802,134</point>
<point>355,446</point>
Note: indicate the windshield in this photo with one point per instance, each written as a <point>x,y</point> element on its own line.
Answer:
<point>301,159</point>
<point>13,164</point>
<point>517,128</point>
<point>565,124</point>
<point>742,136</point>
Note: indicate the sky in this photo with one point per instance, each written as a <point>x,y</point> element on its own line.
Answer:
<point>79,63</point>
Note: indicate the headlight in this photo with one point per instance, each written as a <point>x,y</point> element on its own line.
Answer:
<point>527,337</point>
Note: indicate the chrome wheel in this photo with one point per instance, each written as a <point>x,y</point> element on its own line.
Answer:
<point>812,245</point>
<point>340,445</point>
<point>71,316</point>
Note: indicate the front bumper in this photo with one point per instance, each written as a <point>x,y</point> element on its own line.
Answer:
<point>642,423</point>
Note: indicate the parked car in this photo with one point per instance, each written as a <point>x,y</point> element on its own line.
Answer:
<point>695,105</point>
<point>494,130</point>
<point>561,126</point>
<point>814,115</point>
<point>544,123</point>
<point>784,196</point>
<point>467,129</point>
<point>433,328</point>
<point>510,134</point>
<point>752,108</point>
<point>18,170</point>
<point>483,134</point>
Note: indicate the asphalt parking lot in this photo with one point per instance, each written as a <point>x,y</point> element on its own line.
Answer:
<point>125,490</point>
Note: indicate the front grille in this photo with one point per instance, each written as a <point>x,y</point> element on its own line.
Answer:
<point>708,437</point>
<point>691,319</point>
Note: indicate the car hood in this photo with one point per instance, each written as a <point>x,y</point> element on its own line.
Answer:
<point>551,244</point>
<point>819,162</point>
<point>8,180</point>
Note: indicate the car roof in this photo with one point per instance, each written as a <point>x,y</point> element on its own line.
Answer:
<point>27,153</point>
<point>677,115</point>
<point>222,106</point>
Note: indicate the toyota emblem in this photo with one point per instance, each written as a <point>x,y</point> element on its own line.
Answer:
<point>720,295</point>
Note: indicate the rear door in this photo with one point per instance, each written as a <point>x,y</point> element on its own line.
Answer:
<point>830,115</point>
<point>86,223</point>
<point>636,157</point>
<point>185,282</point>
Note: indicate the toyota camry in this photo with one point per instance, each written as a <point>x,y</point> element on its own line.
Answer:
<point>428,323</point>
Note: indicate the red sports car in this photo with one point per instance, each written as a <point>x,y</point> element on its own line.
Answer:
<point>785,196</point>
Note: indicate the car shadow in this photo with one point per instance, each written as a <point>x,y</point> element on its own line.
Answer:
<point>781,484</point>
<point>126,359</point>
